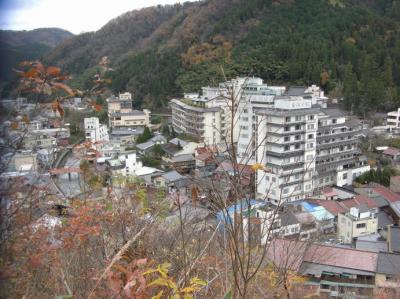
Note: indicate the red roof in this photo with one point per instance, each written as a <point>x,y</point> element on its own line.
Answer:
<point>391,152</point>
<point>386,193</point>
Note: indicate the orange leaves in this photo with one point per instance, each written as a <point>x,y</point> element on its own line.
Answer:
<point>202,52</point>
<point>14,125</point>
<point>35,77</point>
<point>25,119</point>
<point>53,71</point>
<point>56,107</point>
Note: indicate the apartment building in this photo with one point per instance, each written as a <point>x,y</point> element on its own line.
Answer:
<point>94,130</point>
<point>286,146</point>
<point>122,115</point>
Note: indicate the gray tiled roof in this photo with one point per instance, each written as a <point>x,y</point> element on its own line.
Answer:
<point>333,112</point>
<point>388,263</point>
<point>395,239</point>
<point>383,219</point>
<point>172,176</point>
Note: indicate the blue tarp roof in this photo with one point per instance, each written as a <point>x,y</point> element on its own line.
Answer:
<point>319,212</point>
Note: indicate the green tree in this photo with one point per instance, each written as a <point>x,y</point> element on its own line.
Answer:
<point>146,135</point>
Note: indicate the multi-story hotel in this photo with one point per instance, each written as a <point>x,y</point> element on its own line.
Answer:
<point>304,148</point>
<point>122,114</point>
<point>286,146</point>
<point>302,144</point>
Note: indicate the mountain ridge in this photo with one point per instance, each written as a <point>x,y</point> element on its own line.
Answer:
<point>159,52</point>
<point>16,46</point>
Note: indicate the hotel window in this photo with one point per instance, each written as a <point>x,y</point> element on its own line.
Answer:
<point>287,128</point>
<point>287,148</point>
<point>287,138</point>
<point>287,119</point>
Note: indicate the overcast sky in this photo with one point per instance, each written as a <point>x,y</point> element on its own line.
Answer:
<point>74,15</point>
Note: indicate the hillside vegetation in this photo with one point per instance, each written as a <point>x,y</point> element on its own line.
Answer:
<point>16,46</point>
<point>351,48</point>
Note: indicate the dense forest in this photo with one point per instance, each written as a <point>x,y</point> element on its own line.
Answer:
<point>350,47</point>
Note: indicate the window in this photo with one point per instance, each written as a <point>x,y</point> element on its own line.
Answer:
<point>361,225</point>
<point>297,188</point>
<point>311,117</point>
<point>297,146</point>
<point>310,145</point>
<point>245,110</point>
<point>273,179</point>
<point>310,126</point>
<point>287,128</point>
<point>244,127</point>
<point>310,136</point>
<point>285,190</point>
<point>298,118</point>
<point>287,119</point>
<point>286,148</point>
<point>308,187</point>
<point>310,157</point>
<point>287,138</point>
<point>345,176</point>
<point>334,121</point>
<point>297,137</point>
<point>297,127</point>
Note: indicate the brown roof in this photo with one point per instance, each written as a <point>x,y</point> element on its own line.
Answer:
<point>332,206</point>
<point>291,254</point>
<point>359,200</point>
<point>391,152</point>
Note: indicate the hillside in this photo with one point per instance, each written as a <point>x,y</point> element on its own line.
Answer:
<point>16,46</point>
<point>351,48</point>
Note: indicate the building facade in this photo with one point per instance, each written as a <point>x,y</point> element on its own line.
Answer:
<point>357,222</point>
<point>94,130</point>
<point>122,115</point>
<point>286,146</point>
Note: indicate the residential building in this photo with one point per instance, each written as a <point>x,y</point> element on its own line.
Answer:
<point>24,161</point>
<point>125,164</point>
<point>392,154</point>
<point>94,130</point>
<point>337,272</point>
<point>38,140</point>
<point>147,146</point>
<point>122,115</point>
<point>357,222</point>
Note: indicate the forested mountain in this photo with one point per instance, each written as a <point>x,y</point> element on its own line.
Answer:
<point>16,46</point>
<point>350,47</point>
